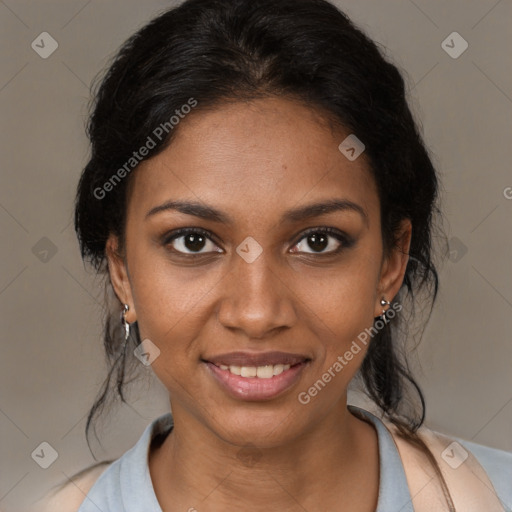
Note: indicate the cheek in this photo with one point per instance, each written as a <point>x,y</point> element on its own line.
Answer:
<point>342,309</point>
<point>348,292</point>
<point>171,302</point>
<point>168,314</point>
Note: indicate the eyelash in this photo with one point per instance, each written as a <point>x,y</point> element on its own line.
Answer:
<point>345,240</point>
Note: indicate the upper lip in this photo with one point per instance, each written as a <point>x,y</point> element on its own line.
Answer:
<point>257,359</point>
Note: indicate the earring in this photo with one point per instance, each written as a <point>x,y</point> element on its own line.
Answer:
<point>384,302</point>
<point>125,323</point>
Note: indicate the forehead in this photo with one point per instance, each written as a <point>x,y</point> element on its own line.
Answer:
<point>263,155</point>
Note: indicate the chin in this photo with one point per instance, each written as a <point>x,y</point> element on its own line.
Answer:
<point>258,425</point>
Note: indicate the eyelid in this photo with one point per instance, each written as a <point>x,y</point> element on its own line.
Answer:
<point>322,229</point>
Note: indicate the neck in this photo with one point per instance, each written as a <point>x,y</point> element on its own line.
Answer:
<point>336,459</point>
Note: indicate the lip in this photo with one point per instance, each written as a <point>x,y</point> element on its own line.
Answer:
<point>255,388</point>
<point>256,359</point>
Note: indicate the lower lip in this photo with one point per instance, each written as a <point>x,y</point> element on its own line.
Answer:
<point>254,388</point>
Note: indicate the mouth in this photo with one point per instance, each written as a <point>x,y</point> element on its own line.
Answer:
<point>256,376</point>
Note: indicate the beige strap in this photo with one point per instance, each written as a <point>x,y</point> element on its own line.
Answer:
<point>70,496</point>
<point>468,483</point>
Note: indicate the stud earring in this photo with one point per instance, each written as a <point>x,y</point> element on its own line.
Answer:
<point>384,302</point>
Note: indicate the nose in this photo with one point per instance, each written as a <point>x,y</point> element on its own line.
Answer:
<point>256,300</point>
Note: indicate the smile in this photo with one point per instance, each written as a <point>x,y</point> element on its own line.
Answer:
<point>258,382</point>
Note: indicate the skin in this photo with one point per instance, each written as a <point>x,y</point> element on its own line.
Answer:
<point>254,161</point>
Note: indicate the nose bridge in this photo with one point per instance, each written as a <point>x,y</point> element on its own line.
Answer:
<point>255,298</point>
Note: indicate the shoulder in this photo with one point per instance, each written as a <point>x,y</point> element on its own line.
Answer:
<point>497,464</point>
<point>494,463</point>
<point>476,475</point>
<point>69,495</point>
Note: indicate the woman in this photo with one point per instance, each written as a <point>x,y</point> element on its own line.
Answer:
<point>262,205</point>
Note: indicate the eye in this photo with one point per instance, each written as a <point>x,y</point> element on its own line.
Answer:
<point>191,241</point>
<point>320,239</point>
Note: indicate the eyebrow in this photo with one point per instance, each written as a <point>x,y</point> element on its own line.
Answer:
<point>294,215</point>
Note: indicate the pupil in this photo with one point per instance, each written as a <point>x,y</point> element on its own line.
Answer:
<point>317,241</point>
<point>194,242</point>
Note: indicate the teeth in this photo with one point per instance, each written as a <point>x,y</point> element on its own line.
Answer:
<point>265,372</point>
<point>278,368</point>
<point>237,370</point>
<point>262,372</point>
<point>248,371</point>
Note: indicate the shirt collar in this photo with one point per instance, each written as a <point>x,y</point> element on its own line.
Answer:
<point>394,492</point>
<point>137,487</point>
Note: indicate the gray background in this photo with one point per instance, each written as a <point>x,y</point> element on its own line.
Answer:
<point>52,362</point>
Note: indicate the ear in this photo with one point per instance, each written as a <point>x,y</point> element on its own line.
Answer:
<point>394,265</point>
<point>119,276</point>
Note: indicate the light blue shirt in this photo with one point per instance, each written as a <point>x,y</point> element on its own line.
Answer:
<point>126,484</point>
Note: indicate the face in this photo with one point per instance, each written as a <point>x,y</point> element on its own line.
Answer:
<point>228,268</point>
